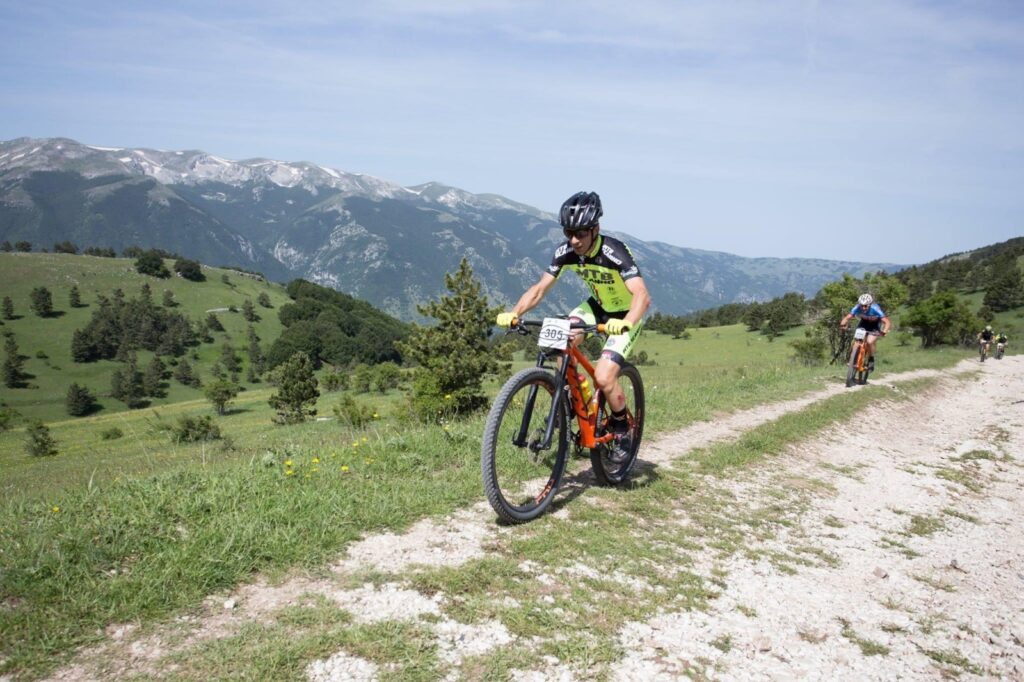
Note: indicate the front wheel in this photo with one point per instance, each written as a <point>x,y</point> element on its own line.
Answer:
<point>852,375</point>
<point>521,478</point>
<point>611,468</point>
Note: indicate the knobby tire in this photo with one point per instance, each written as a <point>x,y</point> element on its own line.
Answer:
<point>606,471</point>
<point>853,375</point>
<point>519,482</point>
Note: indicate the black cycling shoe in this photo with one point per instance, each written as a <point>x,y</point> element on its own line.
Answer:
<point>621,447</point>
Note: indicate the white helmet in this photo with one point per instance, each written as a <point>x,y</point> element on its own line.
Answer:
<point>866,299</point>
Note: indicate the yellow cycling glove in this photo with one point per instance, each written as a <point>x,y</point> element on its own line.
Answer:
<point>615,326</point>
<point>506,320</point>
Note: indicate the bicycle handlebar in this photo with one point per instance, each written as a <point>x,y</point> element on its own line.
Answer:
<point>521,326</point>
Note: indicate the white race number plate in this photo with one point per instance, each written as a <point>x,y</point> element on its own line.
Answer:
<point>554,333</point>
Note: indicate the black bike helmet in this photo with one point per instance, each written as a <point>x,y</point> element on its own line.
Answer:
<point>581,211</point>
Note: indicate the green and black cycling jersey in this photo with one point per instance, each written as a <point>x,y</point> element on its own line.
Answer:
<point>986,335</point>
<point>604,270</point>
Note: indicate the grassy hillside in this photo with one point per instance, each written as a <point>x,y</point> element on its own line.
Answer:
<point>139,528</point>
<point>46,341</point>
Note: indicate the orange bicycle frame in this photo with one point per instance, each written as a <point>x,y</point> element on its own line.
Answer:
<point>586,413</point>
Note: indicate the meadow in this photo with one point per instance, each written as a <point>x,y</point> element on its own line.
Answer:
<point>138,529</point>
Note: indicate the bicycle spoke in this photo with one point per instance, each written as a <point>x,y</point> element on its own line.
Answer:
<point>521,477</point>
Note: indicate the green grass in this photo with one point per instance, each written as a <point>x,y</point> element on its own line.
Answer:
<point>138,529</point>
<point>50,376</point>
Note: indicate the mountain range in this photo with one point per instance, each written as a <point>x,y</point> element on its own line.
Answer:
<point>373,239</point>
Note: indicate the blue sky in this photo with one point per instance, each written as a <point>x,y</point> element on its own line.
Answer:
<point>887,130</point>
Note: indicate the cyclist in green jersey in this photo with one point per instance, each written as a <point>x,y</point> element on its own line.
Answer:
<point>618,296</point>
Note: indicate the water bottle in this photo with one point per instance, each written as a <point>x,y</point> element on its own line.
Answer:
<point>585,390</point>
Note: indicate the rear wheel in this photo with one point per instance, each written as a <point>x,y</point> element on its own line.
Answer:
<point>981,352</point>
<point>608,468</point>
<point>521,479</point>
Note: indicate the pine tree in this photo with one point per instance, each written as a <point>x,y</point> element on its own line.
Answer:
<point>256,359</point>
<point>8,308</point>
<point>264,300</point>
<point>13,363</point>
<point>41,302</point>
<point>454,355</point>
<point>1006,290</point>
<point>213,324</point>
<point>249,311</point>
<point>79,400</point>
<point>168,299</point>
<point>126,383</point>
<point>297,392</point>
<point>152,380</point>
<point>228,359</point>
<point>74,297</point>
<point>183,374</point>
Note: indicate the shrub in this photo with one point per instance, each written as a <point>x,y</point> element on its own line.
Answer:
<point>113,433</point>
<point>7,417</point>
<point>152,264</point>
<point>349,412</point>
<point>429,402</point>
<point>810,350</point>
<point>362,378</point>
<point>334,381</point>
<point>189,269</point>
<point>39,442</point>
<point>221,392</point>
<point>195,429</point>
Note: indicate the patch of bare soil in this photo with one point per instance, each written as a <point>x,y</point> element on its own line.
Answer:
<point>903,559</point>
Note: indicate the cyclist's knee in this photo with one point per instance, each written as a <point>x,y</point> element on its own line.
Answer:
<point>606,373</point>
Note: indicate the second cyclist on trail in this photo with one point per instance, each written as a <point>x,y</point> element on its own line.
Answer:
<point>873,320</point>
<point>618,296</point>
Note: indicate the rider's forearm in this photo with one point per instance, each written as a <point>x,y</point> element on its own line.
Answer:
<point>529,300</point>
<point>638,307</point>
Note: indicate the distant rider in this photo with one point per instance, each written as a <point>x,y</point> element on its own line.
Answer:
<point>618,298</point>
<point>873,320</point>
<point>985,336</point>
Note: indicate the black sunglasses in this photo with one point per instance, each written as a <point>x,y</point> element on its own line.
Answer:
<point>569,234</point>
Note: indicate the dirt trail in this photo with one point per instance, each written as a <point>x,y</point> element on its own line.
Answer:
<point>918,523</point>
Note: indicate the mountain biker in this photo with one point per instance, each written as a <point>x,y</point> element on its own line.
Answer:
<point>618,298</point>
<point>873,319</point>
<point>985,337</point>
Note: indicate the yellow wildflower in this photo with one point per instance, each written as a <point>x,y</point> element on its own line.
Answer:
<point>344,467</point>
<point>289,473</point>
<point>365,439</point>
<point>316,460</point>
<point>287,462</point>
<point>55,510</point>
